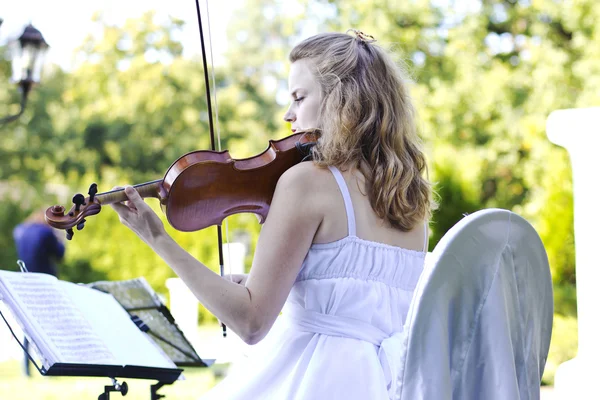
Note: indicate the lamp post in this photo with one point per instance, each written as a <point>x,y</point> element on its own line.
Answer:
<point>27,57</point>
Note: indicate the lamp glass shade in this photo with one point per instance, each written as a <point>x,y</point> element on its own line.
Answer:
<point>28,54</point>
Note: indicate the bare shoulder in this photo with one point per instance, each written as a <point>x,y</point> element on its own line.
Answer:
<point>303,188</point>
<point>299,189</point>
<point>304,177</point>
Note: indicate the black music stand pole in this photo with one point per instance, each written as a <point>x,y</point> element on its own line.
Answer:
<point>154,390</point>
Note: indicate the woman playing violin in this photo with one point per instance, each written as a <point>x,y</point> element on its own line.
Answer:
<point>344,242</point>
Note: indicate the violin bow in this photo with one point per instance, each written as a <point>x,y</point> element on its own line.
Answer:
<point>211,125</point>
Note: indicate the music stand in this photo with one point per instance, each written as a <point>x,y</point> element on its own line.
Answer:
<point>146,308</point>
<point>134,299</point>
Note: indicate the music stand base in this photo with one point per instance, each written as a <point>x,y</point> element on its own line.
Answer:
<point>115,387</point>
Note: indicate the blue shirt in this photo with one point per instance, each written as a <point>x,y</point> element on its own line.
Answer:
<point>38,247</point>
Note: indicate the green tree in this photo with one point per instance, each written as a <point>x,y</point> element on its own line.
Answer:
<point>485,76</point>
<point>130,108</point>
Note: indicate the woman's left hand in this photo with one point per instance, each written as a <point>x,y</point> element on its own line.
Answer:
<point>139,217</point>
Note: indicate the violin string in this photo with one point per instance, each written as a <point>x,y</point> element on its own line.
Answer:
<point>218,126</point>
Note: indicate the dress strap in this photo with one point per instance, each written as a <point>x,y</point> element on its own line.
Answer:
<point>347,200</point>
<point>425,243</point>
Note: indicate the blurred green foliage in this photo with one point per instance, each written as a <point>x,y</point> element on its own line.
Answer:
<point>486,75</point>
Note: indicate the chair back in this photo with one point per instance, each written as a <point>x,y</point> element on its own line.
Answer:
<point>480,321</point>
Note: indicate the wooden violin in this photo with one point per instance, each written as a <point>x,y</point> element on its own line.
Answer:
<point>201,188</point>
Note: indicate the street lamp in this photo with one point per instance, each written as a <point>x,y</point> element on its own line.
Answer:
<point>27,56</point>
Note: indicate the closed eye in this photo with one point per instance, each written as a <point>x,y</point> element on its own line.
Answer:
<point>299,99</point>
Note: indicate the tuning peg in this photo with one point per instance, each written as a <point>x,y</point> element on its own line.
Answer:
<point>92,192</point>
<point>78,200</point>
<point>70,233</point>
<point>81,225</point>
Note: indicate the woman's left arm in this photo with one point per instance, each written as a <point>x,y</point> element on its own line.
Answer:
<point>285,238</point>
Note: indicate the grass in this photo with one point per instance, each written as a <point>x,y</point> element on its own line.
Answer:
<point>15,386</point>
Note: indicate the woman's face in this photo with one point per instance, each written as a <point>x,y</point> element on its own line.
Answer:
<point>306,97</point>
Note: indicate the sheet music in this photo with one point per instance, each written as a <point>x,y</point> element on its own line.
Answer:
<point>110,320</point>
<point>75,324</point>
<point>57,319</point>
<point>137,293</point>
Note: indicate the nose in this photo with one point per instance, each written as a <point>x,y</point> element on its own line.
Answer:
<point>289,116</point>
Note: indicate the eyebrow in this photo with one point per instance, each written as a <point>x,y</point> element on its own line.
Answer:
<point>295,92</point>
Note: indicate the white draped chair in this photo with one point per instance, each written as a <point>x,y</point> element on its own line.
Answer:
<point>480,323</point>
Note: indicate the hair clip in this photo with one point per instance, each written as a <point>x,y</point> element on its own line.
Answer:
<point>363,37</point>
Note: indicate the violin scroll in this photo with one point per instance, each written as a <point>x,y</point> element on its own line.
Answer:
<point>82,207</point>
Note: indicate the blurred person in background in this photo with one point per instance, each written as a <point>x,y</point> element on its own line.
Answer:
<point>40,248</point>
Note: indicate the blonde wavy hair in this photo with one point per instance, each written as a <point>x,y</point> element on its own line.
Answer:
<point>367,120</point>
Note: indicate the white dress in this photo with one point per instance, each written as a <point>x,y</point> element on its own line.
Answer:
<point>340,332</point>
